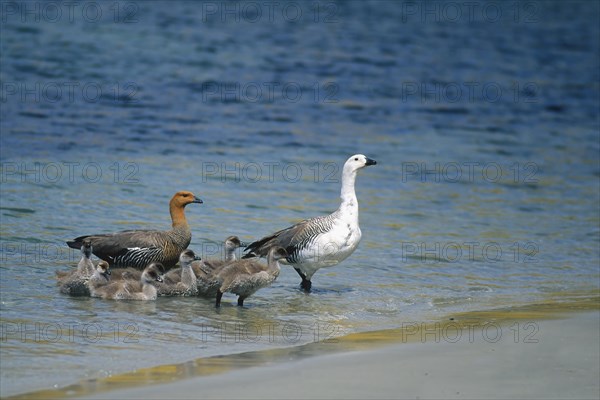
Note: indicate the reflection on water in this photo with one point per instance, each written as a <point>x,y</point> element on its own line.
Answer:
<point>474,204</point>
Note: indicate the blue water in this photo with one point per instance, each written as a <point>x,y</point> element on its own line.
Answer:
<point>485,127</point>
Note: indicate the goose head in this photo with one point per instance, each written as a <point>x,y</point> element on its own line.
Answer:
<point>233,242</point>
<point>86,248</point>
<point>183,198</point>
<point>278,253</point>
<point>187,256</point>
<point>152,273</point>
<point>357,162</point>
<point>103,269</point>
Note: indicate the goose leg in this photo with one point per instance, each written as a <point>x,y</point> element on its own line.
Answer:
<point>305,284</point>
<point>219,295</point>
<point>241,301</point>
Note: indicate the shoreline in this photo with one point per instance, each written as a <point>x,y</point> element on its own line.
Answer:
<point>463,334</point>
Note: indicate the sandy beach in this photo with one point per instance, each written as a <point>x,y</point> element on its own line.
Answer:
<point>525,359</point>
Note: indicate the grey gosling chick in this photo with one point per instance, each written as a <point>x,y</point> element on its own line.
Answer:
<point>127,290</point>
<point>245,277</point>
<point>100,277</point>
<point>204,267</point>
<point>74,283</point>
<point>186,285</point>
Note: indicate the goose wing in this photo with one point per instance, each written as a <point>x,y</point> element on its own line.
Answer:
<point>130,245</point>
<point>293,239</point>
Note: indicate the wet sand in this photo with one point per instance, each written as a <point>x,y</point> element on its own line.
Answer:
<point>537,351</point>
<point>525,359</point>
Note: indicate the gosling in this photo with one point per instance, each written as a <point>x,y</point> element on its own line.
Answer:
<point>232,243</point>
<point>100,277</point>
<point>128,290</point>
<point>245,277</point>
<point>206,267</point>
<point>206,270</point>
<point>74,283</point>
<point>186,284</point>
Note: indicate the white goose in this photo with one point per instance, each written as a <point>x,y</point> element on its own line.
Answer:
<point>321,241</point>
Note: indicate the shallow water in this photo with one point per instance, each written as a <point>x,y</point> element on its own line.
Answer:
<point>488,199</point>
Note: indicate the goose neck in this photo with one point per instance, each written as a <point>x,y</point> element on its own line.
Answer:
<point>177,215</point>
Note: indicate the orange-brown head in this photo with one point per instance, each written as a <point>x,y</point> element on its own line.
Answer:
<point>178,203</point>
<point>183,198</point>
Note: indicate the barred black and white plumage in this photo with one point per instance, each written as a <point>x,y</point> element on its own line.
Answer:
<point>321,241</point>
<point>137,257</point>
<point>138,248</point>
<point>295,239</point>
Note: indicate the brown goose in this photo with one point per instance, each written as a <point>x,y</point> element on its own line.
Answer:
<point>138,248</point>
<point>245,277</point>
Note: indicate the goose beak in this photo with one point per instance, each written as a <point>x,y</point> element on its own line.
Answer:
<point>197,200</point>
<point>159,278</point>
<point>244,244</point>
<point>371,162</point>
<point>197,258</point>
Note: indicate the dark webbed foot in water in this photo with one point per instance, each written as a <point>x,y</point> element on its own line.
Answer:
<point>305,284</point>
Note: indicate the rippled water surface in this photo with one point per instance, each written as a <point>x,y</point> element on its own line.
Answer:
<point>486,192</point>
